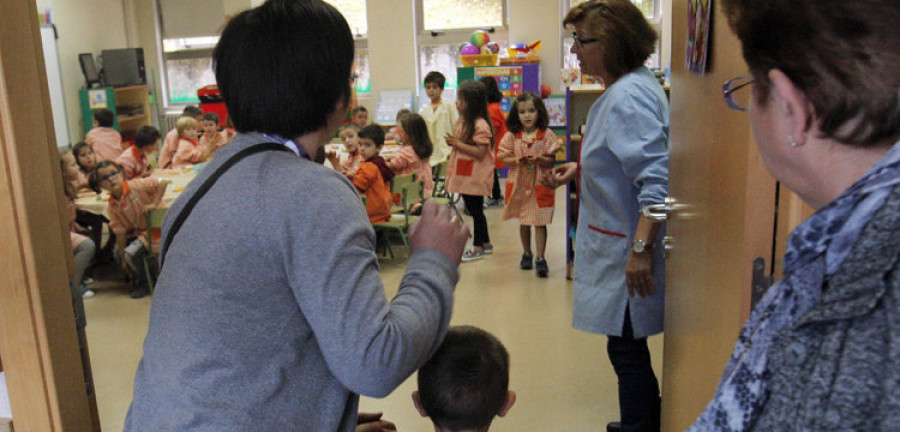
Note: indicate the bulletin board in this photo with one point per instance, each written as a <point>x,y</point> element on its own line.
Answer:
<point>512,80</point>
<point>391,101</point>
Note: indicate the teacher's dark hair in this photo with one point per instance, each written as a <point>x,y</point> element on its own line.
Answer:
<point>624,36</point>
<point>844,55</point>
<point>283,67</point>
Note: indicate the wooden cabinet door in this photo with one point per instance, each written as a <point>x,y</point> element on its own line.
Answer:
<point>724,218</point>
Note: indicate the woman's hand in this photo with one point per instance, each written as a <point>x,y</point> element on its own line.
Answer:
<point>560,175</point>
<point>638,274</point>
<point>372,422</point>
<point>439,228</point>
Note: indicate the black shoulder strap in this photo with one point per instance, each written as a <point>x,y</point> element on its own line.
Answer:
<point>186,211</point>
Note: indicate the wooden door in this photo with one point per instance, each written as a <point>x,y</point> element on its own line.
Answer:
<point>724,219</point>
<point>38,340</point>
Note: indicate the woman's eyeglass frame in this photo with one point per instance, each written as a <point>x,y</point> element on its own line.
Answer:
<point>732,85</point>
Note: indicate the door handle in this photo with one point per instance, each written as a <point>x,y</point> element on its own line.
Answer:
<point>660,212</point>
<point>667,246</point>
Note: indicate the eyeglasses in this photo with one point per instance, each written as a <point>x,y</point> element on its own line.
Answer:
<point>733,85</point>
<point>110,176</point>
<point>582,42</point>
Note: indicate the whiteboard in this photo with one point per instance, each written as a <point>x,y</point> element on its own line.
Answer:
<point>54,83</point>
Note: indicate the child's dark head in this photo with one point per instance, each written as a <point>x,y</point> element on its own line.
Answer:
<point>106,175</point>
<point>145,137</point>
<point>104,117</point>
<point>415,132</point>
<point>360,116</point>
<point>466,383</point>
<point>192,111</point>
<point>371,138</point>
<point>436,78</point>
<point>434,85</point>
<point>84,156</point>
<point>527,111</point>
<point>493,91</point>
<point>471,100</point>
<point>210,122</point>
<point>284,67</point>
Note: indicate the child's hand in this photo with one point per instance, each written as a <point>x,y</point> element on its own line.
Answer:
<point>451,140</point>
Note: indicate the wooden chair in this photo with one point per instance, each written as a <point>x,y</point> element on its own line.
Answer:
<point>400,223</point>
<point>154,236</point>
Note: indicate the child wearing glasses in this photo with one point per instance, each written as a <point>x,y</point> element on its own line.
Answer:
<point>129,203</point>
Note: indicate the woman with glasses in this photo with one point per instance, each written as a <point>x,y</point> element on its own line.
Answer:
<point>820,351</point>
<point>623,166</point>
<point>269,313</point>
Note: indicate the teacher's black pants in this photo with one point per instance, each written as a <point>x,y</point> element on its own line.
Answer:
<point>639,401</point>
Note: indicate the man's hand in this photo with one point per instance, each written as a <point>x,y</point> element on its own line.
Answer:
<point>439,228</point>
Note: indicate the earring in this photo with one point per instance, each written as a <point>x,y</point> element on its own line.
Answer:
<point>792,142</point>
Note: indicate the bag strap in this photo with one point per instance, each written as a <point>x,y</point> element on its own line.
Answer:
<point>207,184</point>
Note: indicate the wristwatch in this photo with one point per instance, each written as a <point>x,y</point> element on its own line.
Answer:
<point>639,246</point>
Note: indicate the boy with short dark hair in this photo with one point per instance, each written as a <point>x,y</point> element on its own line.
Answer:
<point>465,384</point>
<point>440,116</point>
<point>134,159</point>
<point>359,116</point>
<point>103,139</point>
<point>373,177</point>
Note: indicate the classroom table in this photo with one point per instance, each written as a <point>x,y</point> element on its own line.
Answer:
<point>178,178</point>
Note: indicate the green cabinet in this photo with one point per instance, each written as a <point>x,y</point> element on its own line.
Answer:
<point>130,106</point>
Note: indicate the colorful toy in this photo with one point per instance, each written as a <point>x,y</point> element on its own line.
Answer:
<point>479,38</point>
<point>492,47</point>
<point>522,50</point>
<point>469,49</point>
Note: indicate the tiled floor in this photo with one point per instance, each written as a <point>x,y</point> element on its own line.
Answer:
<point>562,377</point>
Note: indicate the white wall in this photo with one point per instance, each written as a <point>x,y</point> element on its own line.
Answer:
<point>83,27</point>
<point>103,24</point>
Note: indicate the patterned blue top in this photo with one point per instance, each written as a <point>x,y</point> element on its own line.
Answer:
<point>816,249</point>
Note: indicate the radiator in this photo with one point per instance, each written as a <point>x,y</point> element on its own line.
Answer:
<point>170,119</point>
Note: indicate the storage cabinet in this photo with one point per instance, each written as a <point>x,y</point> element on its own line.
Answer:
<point>131,106</point>
<point>578,104</point>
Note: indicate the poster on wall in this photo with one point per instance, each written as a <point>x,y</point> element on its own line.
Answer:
<point>697,49</point>
<point>509,81</point>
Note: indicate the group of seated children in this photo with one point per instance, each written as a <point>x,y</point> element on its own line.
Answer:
<point>372,174</point>
<point>100,163</point>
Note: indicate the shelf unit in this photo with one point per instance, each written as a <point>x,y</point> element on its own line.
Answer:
<point>131,106</point>
<point>578,104</point>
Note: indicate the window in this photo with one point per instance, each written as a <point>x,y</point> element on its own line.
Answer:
<point>354,12</point>
<point>188,32</point>
<point>443,25</point>
<point>652,10</point>
<point>188,66</point>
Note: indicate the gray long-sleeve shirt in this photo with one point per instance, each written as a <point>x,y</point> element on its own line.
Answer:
<point>270,314</point>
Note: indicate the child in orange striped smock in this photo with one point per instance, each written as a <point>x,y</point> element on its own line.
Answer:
<point>529,149</point>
